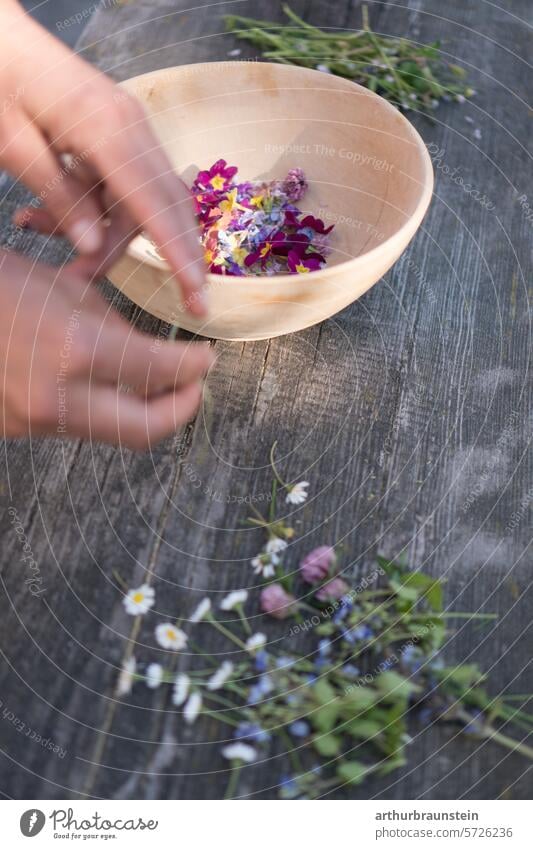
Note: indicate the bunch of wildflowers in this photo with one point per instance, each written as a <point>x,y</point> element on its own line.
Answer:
<point>372,673</point>
<point>412,76</point>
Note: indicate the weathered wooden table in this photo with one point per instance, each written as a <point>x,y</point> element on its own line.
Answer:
<point>410,413</point>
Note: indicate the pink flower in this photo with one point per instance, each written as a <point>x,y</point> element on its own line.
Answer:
<point>217,178</point>
<point>333,590</point>
<point>295,184</point>
<point>317,564</point>
<point>303,264</point>
<point>316,224</point>
<point>276,602</point>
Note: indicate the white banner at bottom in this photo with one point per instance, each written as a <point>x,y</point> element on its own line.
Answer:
<point>232,825</point>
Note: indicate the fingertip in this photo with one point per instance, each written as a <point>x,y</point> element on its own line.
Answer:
<point>86,235</point>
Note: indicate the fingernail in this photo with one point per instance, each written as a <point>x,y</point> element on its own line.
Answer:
<point>85,235</point>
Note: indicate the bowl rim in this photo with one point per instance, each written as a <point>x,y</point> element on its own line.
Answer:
<point>417,215</point>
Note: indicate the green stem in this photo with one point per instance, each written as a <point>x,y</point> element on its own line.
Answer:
<point>227,633</point>
<point>508,742</point>
<point>120,580</point>
<point>274,469</point>
<point>242,617</point>
<point>233,780</point>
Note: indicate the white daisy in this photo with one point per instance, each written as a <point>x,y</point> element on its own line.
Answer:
<point>170,637</point>
<point>276,545</point>
<point>231,601</point>
<point>239,752</point>
<point>126,677</point>
<point>256,641</point>
<point>201,611</point>
<point>181,689</point>
<point>264,564</point>
<point>220,677</point>
<point>297,493</point>
<point>192,708</point>
<point>139,600</point>
<point>154,675</point>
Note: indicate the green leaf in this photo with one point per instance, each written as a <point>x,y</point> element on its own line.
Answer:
<point>392,684</point>
<point>352,771</point>
<point>358,699</point>
<point>462,676</point>
<point>325,629</point>
<point>363,729</point>
<point>325,718</point>
<point>393,763</point>
<point>327,745</point>
<point>323,692</point>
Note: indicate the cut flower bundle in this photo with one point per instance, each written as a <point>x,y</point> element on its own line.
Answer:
<point>372,675</point>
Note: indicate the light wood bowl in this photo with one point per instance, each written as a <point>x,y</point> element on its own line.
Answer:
<point>368,170</point>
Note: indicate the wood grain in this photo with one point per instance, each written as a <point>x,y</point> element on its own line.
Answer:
<point>409,412</point>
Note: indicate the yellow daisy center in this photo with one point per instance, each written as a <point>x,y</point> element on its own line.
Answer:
<point>138,597</point>
<point>171,634</point>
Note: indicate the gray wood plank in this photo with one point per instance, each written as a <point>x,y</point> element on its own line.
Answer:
<point>410,413</point>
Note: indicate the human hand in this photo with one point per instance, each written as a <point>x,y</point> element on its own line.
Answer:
<point>66,353</point>
<point>118,180</point>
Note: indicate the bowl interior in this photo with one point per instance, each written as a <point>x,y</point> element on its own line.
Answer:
<point>367,167</point>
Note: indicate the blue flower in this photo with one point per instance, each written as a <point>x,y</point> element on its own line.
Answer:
<point>411,658</point>
<point>361,632</point>
<point>300,728</point>
<point>425,715</point>
<point>254,694</point>
<point>351,671</point>
<point>265,684</point>
<point>261,661</point>
<point>251,731</point>
<point>324,647</point>
<point>284,661</point>
<point>340,614</point>
<point>288,787</point>
<point>310,679</point>
<point>475,726</point>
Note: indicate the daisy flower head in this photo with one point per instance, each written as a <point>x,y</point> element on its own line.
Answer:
<point>297,493</point>
<point>140,600</point>
<point>181,689</point>
<point>154,675</point>
<point>264,564</point>
<point>220,677</point>
<point>255,642</point>
<point>126,677</point>
<point>275,545</point>
<point>233,599</point>
<point>192,707</point>
<point>170,637</point>
<point>239,752</point>
<point>201,610</point>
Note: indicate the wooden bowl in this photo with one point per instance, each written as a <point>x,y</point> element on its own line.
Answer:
<point>368,170</point>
